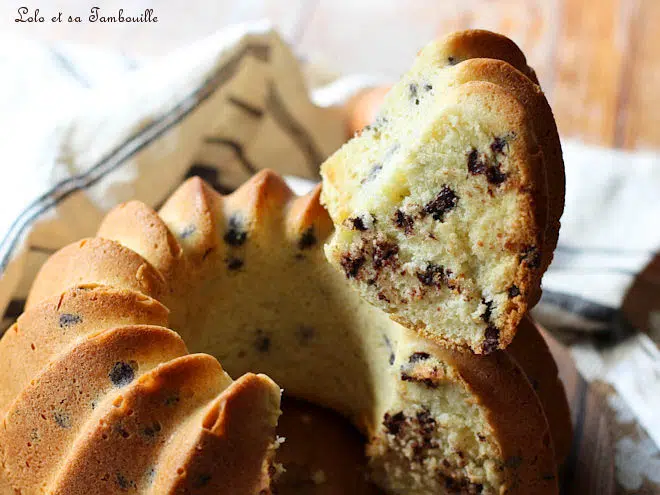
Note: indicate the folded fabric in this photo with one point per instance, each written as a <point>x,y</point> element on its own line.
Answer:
<point>83,130</point>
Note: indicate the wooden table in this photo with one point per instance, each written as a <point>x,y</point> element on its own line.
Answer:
<point>598,60</point>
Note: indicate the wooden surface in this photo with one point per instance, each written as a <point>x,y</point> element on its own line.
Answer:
<point>598,60</point>
<point>321,445</point>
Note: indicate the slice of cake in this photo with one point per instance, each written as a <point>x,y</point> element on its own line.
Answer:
<point>442,212</point>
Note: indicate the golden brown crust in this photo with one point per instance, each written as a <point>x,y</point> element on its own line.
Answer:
<point>119,446</point>
<point>479,43</point>
<point>56,405</point>
<point>99,262</point>
<point>531,352</point>
<point>189,215</point>
<point>545,131</point>
<point>50,327</point>
<point>140,229</point>
<point>527,450</point>
<point>234,423</point>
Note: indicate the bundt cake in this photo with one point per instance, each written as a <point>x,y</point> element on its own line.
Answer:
<point>89,371</point>
<point>447,207</point>
<point>97,396</point>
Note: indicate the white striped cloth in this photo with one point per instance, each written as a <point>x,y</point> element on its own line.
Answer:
<point>83,130</point>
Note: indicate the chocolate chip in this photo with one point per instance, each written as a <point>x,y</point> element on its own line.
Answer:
<point>151,431</point>
<point>201,480</point>
<point>123,483</point>
<point>358,223</point>
<point>187,231</point>
<point>235,234</point>
<point>462,485</point>
<point>513,291</point>
<point>62,419</point>
<point>384,252</point>
<point>234,264</point>
<point>434,275</point>
<point>451,60</point>
<point>403,221</point>
<point>425,380</point>
<point>532,256</point>
<point>351,265</point>
<point>475,165</point>
<point>412,87</point>
<point>394,423</point>
<point>305,334</point>
<point>121,374</point>
<point>491,339</point>
<point>494,175</point>
<point>391,349</point>
<point>428,87</point>
<point>262,341</point>
<point>307,239</point>
<point>415,357</point>
<point>444,202</point>
<point>488,311</point>
<point>68,319</point>
<point>498,144</point>
<point>375,169</point>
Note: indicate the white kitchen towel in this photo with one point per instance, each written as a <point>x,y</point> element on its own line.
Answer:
<point>83,130</point>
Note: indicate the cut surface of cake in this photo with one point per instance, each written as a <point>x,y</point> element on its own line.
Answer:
<point>447,207</point>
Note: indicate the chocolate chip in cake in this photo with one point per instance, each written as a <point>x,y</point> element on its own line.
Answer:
<point>498,145</point>
<point>434,275</point>
<point>384,253</point>
<point>307,239</point>
<point>475,165</point>
<point>394,423</point>
<point>357,223</point>
<point>413,88</point>
<point>388,344</point>
<point>352,264</point>
<point>428,87</point>
<point>462,486</point>
<point>122,374</point>
<point>152,430</point>
<point>404,222</point>
<point>234,264</point>
<point>416,357</point>
<point>443,203</point>
<point>305,334</point>
<point>513,291</point>
<point>425,380</point>
<point>68,319</point>
<point>488,311</point>
<point>491,339</point>
<point>62,419</point>
<point>532,256</point>
<point>201,480</point>
<point>494,175</point>
<point>451,60</point>
<point>123,483</point>
<point>262,341</point>
<point>235,234</point>
<point>187,231</point>
<point>373,172</point>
